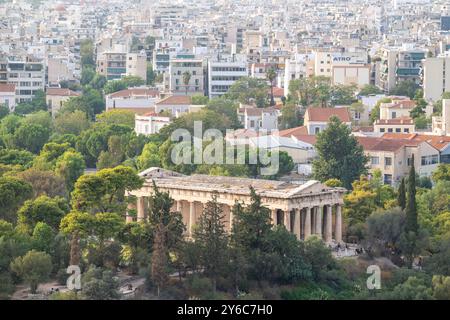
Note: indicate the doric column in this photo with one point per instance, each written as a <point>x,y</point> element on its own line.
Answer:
<point>287,220</point>
<point>319,213</point>
<point>140,209</point>
<point>338,224</point>
<point>297,220</point>
<point>274,217</point>
<point>328,224</point>
<point>191,217</point>
<point>307,223</point>
<point>128,216</point>
<point>230,212</point>
<point>178,206</point>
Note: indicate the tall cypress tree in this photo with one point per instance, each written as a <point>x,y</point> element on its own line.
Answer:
<point>212,238</point>
<point>411,206</point>
<point>401,198</point>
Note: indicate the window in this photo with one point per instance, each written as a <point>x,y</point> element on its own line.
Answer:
<point>387,161</point>
<point>374,160</point>
<point>390,130</point>
<point>394,114</point>
<point>388,178</point>
<point>316,130</point>
<point>406,130</point>
<point>398,130</point>
<point>382,130</point>
<point>428,160</point>
<point>252,123</point>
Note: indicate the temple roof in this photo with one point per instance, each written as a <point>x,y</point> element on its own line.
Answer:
<point>235,185</point>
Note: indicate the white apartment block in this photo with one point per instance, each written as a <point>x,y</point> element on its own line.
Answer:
<point>436,79</point>
<point>298,67</point>
<point>222,75</point>
<point>28,75</point>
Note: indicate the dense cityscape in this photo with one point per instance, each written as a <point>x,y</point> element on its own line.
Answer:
<point>225,150</point>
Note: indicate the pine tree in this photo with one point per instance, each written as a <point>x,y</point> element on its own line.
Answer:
<point>401,198</point>
<point>340,155</point>
<point>411,206</point>
<point>212,238</point>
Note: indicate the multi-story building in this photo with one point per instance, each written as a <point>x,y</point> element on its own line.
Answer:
<point>28,75</point>
<point>222,74</point>
<point>400,64</point>
<point>179,67</point>
<point>298,67</point>
<point>393,157</point>
<point>436,77</point>
<point>56,97</point>
<point>117,64</point>
<point>150,123</point>
<point>258,118</point>
<point>161,61</point>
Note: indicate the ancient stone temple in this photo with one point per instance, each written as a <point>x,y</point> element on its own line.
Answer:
<point>304,209</point>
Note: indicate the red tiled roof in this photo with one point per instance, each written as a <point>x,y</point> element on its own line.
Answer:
<point>278,92</point>
<point>403,104</point>
<point>302,130</point>
<point>7,87</point>
<point>380,144</point>
<point>308,138</point>
<point>64,92</point>
<point>174,100</point>
<point>438,142</point>
<point>135,92</point>
<point>324,114</point>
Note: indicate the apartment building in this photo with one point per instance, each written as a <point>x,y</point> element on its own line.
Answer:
<point>160,61</point>
<point>181,65</point>
<point>400,64</point>
<point>28,76</point>
<point>297,67</point>
<point>252,45</point>
<point>117,64</point>
<point>436,77</point>
<point>222,74</point>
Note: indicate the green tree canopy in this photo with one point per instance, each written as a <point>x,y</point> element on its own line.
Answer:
<point>340,155</point>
